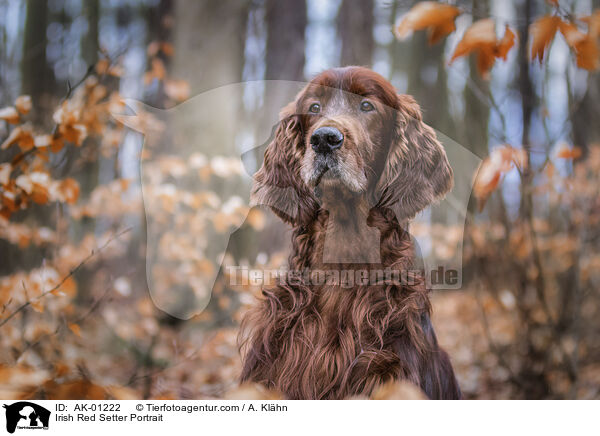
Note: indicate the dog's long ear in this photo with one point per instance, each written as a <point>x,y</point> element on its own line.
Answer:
<point>416,172</point>
<point>278,183</point>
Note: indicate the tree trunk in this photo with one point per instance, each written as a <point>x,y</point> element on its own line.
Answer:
<point>37,76</point>
<point>286,24</point>
<point>355,29</point>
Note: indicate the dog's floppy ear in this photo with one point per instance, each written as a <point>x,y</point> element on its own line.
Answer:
<point>278,183</point>
<point>416,172</point>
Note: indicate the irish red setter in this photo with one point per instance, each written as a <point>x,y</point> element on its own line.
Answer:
<point>349,157</point>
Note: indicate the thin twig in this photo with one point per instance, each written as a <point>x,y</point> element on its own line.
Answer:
<point>65,278</point>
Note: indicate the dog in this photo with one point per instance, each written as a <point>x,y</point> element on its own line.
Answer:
<point>349,157</point>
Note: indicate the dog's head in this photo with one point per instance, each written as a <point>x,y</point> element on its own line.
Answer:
<point>349,132</point>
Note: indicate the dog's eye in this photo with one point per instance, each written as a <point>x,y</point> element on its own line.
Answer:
<point>365,106</point>
<point>315,108</point>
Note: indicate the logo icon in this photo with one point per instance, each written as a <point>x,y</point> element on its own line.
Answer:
<point>26,415</point>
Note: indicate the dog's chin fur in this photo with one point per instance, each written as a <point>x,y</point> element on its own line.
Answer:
<point>330,171</point>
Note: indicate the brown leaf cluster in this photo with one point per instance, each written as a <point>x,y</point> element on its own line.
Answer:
<point>584,45</point>
<point>481,39</point>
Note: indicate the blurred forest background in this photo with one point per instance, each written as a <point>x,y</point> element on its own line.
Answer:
<point>76,318</point>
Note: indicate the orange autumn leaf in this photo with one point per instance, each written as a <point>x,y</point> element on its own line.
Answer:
<point>506,43</point>
<point>75,329</point>
<point>26,140</point>
<point>438,18</point>
<point>9,202</point>
<point>68,288</point>
<point>566,152</point>
<point>37,306</point>
<point>102,66</point>
<point>12,138</point>
<point>587,54</point>
<point>167,48</point>
<point>24,182</point>
<point>9,114</point>
<point>42,141</point>
<point>178,90</point>
<point>571,33</point>
<point>501,160</point>
<point>57,144</point>
<point>5,170</point>
<point>256,219</point>
<point>583,45</point>
<point>40,194</point>
<point>481,39</point>
<point>157,71</point>
<point>542,33</point>
<point>69,189</point>
<point>23,104</point>
<point>74,133</point>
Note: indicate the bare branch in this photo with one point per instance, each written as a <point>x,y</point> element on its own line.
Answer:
<point>65,278</point>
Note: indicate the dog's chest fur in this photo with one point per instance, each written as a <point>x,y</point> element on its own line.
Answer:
<point>335,340</point>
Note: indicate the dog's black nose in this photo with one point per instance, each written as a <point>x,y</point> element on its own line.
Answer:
<point>326,139</point>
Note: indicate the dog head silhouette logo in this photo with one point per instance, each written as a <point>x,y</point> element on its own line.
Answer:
<point>26,415</point>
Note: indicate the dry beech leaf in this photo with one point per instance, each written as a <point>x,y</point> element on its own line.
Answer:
<point>9,114</point>
<point>69,189</point>
<point>42,141</point>
<point>167,48</point>
<point>5,170</point>
<point>438,18</point>
<point>75,329</point>
<point>256,219</point>
<point>24,182</point>
<point>157,71</point>
<point>542,33</point>
<point>178,90</point>
<point>506,43</point>
<point>102,66</point>
<point>491,170</point>
<point>12,138</point>
<point>37,306</point>
<point>566,152</point>
<point>74,133</point>
<point>584,45</point>
<point>481,39</point>
<point>23,104</point>
<point>57,144</point>
<point>572,34</point>
<point>587,54</point>
<point>40,194</point>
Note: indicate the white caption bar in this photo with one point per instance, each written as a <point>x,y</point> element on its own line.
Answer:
<point>149,417</point>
